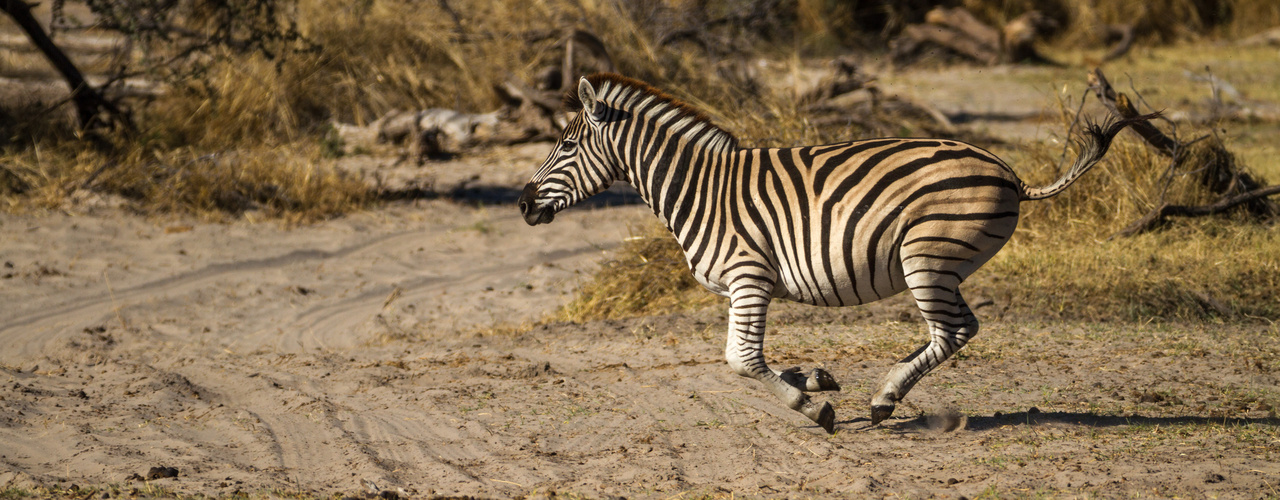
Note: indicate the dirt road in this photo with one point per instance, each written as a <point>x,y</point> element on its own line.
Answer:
<point>371,353</point>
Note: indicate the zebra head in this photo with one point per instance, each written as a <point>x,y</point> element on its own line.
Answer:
<point>578,167</point>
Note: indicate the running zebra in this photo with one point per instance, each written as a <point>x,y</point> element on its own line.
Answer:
<point>831,225</point>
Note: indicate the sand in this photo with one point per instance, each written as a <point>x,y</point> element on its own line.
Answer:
<point>383,352</point>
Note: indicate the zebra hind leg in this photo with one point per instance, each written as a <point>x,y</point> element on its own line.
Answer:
<point>951,326</point>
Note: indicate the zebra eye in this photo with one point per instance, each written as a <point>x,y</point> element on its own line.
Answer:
<point>568,145</point>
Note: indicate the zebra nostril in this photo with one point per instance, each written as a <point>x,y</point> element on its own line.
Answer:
<point>524,207</point>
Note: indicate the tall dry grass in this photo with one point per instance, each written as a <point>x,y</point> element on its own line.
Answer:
<point>647,275</point>
<point>292,182</point>
<point>360,61</point>
<point>363,59</point>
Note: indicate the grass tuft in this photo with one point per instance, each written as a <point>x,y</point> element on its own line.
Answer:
<point>646,275</point>
<point>292,182</point>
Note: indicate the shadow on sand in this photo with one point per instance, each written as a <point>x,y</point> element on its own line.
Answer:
<point>1095,420</point>
<point>945,422</point>
<point>619,194</point>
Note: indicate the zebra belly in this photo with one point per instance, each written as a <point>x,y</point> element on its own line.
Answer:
<point>711,286</point>
<point>828,283</point>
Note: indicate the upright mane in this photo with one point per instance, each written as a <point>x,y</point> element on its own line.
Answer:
<point>685,110</point>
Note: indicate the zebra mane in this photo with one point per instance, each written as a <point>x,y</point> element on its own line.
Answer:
<point>571,101</point>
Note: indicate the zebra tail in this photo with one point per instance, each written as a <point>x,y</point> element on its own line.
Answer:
<point>1097,139</point>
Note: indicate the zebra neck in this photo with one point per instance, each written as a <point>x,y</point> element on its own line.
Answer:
<point>677,176</point>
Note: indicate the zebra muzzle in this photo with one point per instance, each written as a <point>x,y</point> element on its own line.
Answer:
<point>533,214</point>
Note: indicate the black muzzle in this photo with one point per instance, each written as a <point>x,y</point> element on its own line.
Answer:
<point>533,215</point>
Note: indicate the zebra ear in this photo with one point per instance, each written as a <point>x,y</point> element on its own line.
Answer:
<point>587,95</point>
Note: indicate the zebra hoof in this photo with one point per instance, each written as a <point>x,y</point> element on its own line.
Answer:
<point>823,414</point>
<point>880,412</point>
<point>821,380</point>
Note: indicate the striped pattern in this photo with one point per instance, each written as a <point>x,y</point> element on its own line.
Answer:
<point>830,225</point>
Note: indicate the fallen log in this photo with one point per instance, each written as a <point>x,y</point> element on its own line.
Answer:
<point>958,31</point>
<point>1268,37</point>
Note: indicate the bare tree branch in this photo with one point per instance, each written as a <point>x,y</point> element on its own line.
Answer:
<point>1156,217</point>
<point>1218,171</point>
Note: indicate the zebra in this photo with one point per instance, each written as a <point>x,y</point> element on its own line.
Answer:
<point>831,225</point>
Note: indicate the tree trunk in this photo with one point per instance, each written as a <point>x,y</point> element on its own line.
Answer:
<point>87,100</point>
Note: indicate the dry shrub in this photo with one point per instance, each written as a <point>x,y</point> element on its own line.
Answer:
<point>378,56</point>
<point>291,182</point>
<point>1172,20</point>
<point>239,103</point>
<point>363,59</point>
<point>1082,22</point>
<point>1201,270</point>
<point>1065,262</point>
<point>359,61</point>
<point>646,275</point>
<point>1130,181</point>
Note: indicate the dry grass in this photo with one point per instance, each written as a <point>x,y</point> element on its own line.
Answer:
<point>1065,260</point>
<point>646,275</point>
<point>1202,270</point>
<point>372,57</point>
<point>1129,182</point>
<point>293,182</point>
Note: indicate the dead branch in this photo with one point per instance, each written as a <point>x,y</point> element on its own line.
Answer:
<point>579,39</point>
<point>1018,37</point>
<point>1220,174</point>
<point>91,107</point>
<point>718,36</point>
<point>915,36</point>
<point>1156,217</point>
<point>962,21</point>
<point>515,92</point>
<point>847,79</point>
<point>1120,105</point>
<point>1217,166</point>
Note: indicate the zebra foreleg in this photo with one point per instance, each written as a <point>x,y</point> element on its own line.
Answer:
<point>951,326</point>
<point>744,350</point>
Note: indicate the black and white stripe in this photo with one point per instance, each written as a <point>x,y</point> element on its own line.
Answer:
<point>830,225</point>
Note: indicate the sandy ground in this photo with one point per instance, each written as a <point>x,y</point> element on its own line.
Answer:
<point>361,355</point>
<point>376,353</point>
